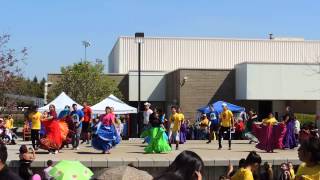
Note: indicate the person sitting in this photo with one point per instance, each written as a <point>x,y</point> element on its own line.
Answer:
<point>187,165</point>
<point>5,172</point>
<point>26,157</point>
<point>47,170</point>
<point>252,164</point>
<point>309,154</point>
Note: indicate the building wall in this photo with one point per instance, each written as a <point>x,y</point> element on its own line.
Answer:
<point>207,86</point>
<point>169,54</point>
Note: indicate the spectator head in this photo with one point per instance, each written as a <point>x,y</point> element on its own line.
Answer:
<point>3,153</point>
<point>23,149</point>
<point>222,178</point>
<point>85,104</point>
<point>108,109</point>
<point>253,160</point>
<point>74,107</point>
<point>179,110</point>
<point>67,107</point>
<point>160,111</point>
<point>242,163</point>
<point>290,165</point>
<point>309,151</point>
<point>284,167</point>
<point>173,109</point>
<point>186,164</point>
<point>266,166</point>
<point>270,115</point>
<point>34,108</point>
<point>147,105</point>
<point>49,163</point>
<point>52,107</point>
<point>224,106</point>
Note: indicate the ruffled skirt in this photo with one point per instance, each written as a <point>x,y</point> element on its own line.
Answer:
<point>105,138</point>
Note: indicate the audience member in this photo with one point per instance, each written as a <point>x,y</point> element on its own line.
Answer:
<point>26,157</point>
<point>309,154</point>
<point>252,164</point>
<point>267,173</point>
<point>46,170</point>
<point>5,172</point>
<point>187,165</point>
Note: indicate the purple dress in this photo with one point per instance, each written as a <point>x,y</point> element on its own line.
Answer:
<point>289,140</point>
<point>183,133</point>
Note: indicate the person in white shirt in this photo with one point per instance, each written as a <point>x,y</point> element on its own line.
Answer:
<point>47,170</point>
<point>146,115</point>
<point>296,128</point>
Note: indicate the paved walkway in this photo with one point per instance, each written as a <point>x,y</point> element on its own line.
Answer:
<point>132,152</point>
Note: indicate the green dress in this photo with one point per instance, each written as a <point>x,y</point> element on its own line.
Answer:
<point>158,140</point>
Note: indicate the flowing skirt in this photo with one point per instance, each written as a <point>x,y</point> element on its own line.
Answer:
<point>56,132</point>
<point>105,138</point>
<point>269,137</point>
<point>289,140</point>
<point>158,140</point>
<point>183,133</point>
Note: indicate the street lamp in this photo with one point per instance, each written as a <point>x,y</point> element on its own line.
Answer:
<point>139,37</point>
<point>46,85</point>
<point>85,44</point>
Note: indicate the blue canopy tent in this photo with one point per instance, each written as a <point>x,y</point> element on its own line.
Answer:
<point>218,108</point>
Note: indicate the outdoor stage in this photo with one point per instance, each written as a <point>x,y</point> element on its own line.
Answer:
<point>131,152</point>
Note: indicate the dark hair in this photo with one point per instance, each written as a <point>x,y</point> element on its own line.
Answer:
<point>108,107</point>
<point>253,158</point>
<point>3,153</point>
<point>169,176</point>
<point>185,165</point>
<point>73,105</point>
<point>160,111</point>
<point>175,107</point>
<point>23,149</point>
<point>312,146</point>
<point>49,163</point>
<point>242,163</point>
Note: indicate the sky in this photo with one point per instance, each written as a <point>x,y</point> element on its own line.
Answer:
<point>53,30</point>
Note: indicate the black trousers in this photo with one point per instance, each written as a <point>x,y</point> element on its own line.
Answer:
<point>221,133</point>
<point>35,137</point>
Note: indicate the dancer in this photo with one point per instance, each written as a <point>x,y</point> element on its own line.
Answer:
<point>56,131</point>
<point>86,123</point>
<point>64,116</point>
<point>183,128</point>
<point>175,121</point>
<point>158,138</point>
<point>289,140</point>
<point>105,136</point>
<point>270,134</point>
<point>146,114</point>
<point>214,124</point>
<point>253,118</point>
<point>35,118</point>
<point>227,123</point>
<point>77,118</point>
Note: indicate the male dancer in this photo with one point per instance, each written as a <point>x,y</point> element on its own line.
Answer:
<point>227,124</point>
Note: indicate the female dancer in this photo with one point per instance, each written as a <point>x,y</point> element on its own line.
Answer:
<point>289,140</point>
<point>105,137</point>
<point>56,132</point>
<point>158,137</point>
<point>270,134</point>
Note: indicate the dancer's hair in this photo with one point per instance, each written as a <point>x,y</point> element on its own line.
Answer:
<point>185,165</point>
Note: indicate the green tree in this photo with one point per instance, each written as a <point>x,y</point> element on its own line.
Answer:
<point>35,79</point>
<point>10,69</point>
<point>85,82</point>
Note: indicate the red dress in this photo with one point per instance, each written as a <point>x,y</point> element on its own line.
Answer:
<point>56,132</point>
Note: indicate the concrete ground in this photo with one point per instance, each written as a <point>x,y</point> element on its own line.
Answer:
<point>132,152</point>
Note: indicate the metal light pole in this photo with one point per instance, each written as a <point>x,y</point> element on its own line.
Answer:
<point>139,40</point>
<point>85,44</point>
<point>46,85</point>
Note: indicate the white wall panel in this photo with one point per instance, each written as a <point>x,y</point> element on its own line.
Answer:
<point>277,82</point>
<point>167,54</point>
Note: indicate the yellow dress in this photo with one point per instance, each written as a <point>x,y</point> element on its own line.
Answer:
<point>243,174</point>
<point>269,121</point>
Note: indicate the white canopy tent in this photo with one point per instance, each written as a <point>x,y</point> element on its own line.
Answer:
<point>60,102</point>
<point>112,101</point>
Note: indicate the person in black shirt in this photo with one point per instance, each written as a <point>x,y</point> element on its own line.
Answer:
<point>5,172</point>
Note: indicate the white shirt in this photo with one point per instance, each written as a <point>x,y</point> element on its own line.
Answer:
<point>146,115</point>
<point>46,172</point>
<point>297,126</point>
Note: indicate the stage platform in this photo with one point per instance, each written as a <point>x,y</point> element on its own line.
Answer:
<point>131,152</point>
